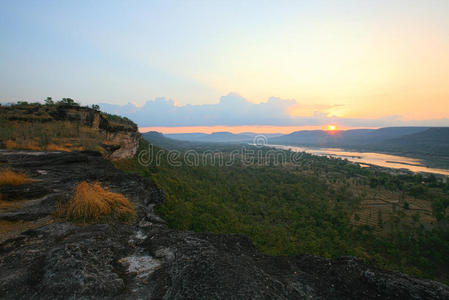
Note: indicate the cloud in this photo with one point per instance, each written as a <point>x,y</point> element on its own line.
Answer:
<point>304,109</point>
<point>234,110</point>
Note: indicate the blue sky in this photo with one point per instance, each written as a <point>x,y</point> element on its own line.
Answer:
<point>355,59</point>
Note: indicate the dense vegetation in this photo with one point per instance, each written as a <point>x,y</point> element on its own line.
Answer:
<point>308,207</point>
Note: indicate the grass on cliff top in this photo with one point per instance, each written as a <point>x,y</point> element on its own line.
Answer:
<point>50,136</point>
<point>93,204</point>
<point>8,177</point>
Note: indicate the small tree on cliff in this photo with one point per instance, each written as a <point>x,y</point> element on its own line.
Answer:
<point>68,101</point>
<point>49,101</point>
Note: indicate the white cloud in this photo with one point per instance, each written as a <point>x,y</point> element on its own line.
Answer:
<point>234,110</point>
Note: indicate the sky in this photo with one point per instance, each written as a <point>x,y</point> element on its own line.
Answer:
<point>289,64</point>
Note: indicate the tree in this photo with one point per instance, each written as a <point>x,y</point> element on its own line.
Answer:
<point>380,221</point>
<point>439,207</point>
<point>95,107</point>
<point>49,101</point>
<point>68,101</point>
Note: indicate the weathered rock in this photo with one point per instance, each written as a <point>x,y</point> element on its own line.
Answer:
<point>147,260</point>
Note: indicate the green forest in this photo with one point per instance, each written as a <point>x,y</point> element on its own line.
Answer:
<point>313,205</point>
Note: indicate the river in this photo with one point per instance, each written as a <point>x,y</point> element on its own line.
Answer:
<point>370,158</point>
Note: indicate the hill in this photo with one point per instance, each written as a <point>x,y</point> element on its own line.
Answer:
<point>160,140</point>
<point>435,140</point>
<point>355,137</point>
<point>163,141</point>
<point>218,137</point>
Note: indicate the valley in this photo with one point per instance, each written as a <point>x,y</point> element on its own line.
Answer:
<point>326,206</point>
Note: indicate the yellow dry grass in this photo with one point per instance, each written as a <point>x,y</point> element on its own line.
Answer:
<point>8,177</point>
<point>10,205</point>
<point>93,204</point>
<point>25,145</point>
<point>53,147</point>
<point>50,136</point>
<point>34,145</point>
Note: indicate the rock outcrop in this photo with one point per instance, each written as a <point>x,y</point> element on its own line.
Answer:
<point>89,129</point>
<point>43,257</point>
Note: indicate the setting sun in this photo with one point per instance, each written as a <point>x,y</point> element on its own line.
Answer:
<point>331,127</point>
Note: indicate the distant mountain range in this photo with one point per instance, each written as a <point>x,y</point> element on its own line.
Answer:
<point>219,137</point>
<point>197,141</point>
<point>389,136</point>
<point>355,137</point>
<point>430,143</point>
<point>160,140</point>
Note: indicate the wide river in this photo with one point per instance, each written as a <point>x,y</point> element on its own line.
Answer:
<point>370,158</point>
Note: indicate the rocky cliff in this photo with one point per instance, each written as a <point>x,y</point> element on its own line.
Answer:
<point>68,128</point>
<point>45,257</point>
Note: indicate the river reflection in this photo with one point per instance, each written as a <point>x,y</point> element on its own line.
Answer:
<point>369,158</point>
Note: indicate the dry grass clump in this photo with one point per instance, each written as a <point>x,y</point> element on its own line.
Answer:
<point>92,204</point>
<point>8,177</point>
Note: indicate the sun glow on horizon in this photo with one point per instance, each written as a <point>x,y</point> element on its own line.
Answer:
<point>331,127</point>
<point>261,129</point>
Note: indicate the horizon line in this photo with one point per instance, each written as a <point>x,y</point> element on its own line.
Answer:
<point>237,129</point>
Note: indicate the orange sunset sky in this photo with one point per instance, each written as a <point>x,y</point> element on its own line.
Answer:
<point>238,129</point>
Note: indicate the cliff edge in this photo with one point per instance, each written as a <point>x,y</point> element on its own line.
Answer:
<point>63,127</point>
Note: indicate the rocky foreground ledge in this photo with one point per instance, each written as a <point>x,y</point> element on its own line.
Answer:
<point>41,257</point>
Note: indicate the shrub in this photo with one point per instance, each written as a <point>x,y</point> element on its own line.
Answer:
<point>92,204</point>
<point>8,177</point>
